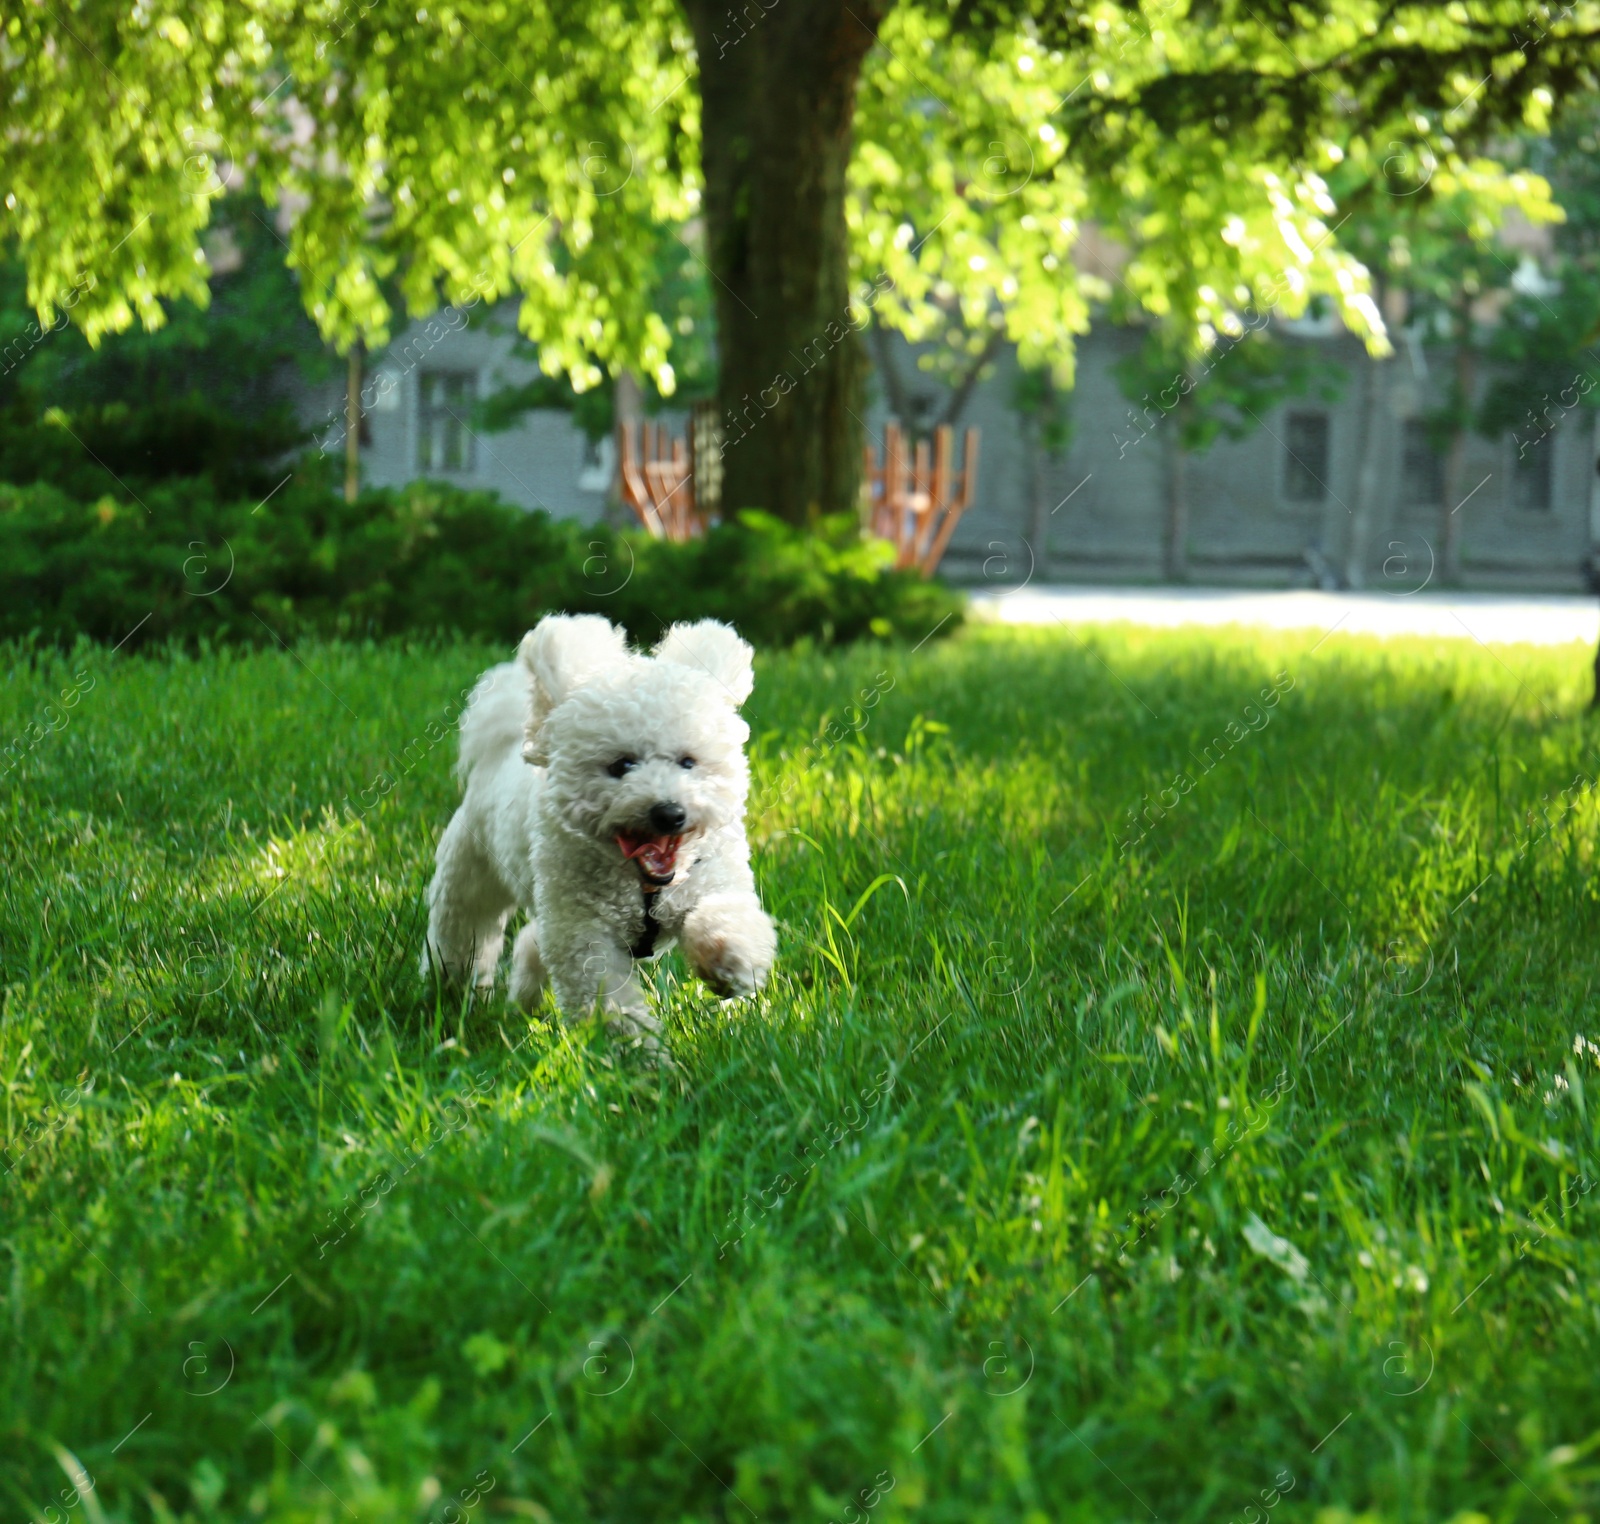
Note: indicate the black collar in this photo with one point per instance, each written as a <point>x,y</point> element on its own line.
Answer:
<point>646,943</point>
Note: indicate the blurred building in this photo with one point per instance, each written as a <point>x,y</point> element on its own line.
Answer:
<point>1283,507</point>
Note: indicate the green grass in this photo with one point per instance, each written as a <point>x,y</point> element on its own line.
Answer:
<point>951,1215</point>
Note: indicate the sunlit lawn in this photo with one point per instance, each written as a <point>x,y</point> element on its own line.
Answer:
<point>1243,1167</point>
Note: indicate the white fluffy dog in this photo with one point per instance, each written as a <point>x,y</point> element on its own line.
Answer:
<point>605,793</point>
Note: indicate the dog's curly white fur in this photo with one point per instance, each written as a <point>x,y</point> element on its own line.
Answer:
<point>599,781</point>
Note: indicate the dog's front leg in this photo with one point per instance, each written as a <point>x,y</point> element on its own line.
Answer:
<point>590,969</point>
<point>729,941</point>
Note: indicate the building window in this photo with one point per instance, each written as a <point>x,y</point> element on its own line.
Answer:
<point>598,467</point>
<point>1305,466</point>
<point>1421,470</point>
<point>444,409</point>
<point>1532,471</point>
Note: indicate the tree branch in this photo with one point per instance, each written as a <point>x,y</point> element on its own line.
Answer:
<point>961,393</point>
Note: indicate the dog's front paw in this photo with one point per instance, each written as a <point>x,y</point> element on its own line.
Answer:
<point>730,943</point>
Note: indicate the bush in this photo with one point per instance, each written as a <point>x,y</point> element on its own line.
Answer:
<point>123,451</point>
<point>422,560</point>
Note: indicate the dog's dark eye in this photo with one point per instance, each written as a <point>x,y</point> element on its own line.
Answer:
<point>622,766</point>
<point>685,762</point>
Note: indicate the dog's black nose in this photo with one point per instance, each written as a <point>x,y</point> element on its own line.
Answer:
<point>667,818</point>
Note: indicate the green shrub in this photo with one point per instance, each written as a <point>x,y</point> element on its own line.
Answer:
<point>125,450</point>
<point>422,560</point>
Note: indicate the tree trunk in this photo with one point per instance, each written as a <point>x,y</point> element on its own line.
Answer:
<point>777,104</point>
<point>1038,511</point>
<point>1450,520</point>
<point>1368,477</point>
<point>1175,532</point>
<point>627,407</point>
<point>352,424</point>
<point>627,398</point>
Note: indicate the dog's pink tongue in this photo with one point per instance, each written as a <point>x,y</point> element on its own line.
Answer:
<point>659,855</point>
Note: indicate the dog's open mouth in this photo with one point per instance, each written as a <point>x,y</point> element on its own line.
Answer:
<point>656,857</point>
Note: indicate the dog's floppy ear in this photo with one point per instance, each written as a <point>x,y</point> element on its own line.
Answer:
<point>715,649</point>
<point>560,653</point>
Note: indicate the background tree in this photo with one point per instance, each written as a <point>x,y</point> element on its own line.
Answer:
<point>1045,412</point>
<point>956,363</point>
<point>201,396</point>
<point>680,294</point>
<point>1545,344</point>
<point>1432,234</point>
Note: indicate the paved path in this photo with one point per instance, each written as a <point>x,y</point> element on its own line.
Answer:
<point>1538,619</point>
